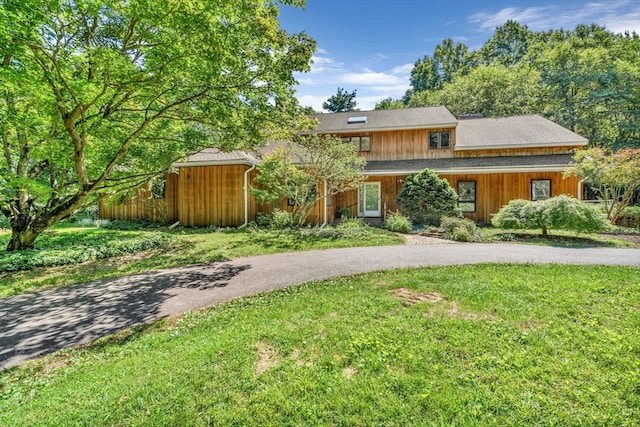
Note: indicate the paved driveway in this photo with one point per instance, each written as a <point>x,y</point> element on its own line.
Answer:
<point>35,324</point>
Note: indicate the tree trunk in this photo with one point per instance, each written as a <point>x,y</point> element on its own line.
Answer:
<point>544,231</point>
<point>22,239</point>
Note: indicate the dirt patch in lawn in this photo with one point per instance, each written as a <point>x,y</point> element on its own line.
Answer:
<point>440,305</point>
<point>409,297</point>
<point>267,357</point>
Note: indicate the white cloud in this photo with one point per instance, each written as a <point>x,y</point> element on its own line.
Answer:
<point>617,16</point>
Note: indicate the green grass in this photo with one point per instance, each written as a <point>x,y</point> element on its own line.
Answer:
<point>488,345</point>
<point>67,255</point>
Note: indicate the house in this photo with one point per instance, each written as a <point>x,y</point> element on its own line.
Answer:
<point>488,161</point>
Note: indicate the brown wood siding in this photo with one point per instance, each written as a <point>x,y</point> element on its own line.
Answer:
<point>404,144</point>
<point>211,196</point>
<point>492,191</point>
<point>516,152</point>
<point>142,206</point>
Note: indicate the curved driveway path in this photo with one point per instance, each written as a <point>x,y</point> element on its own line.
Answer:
<point>39,323</point>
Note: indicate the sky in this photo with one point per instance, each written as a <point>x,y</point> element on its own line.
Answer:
<point>371,45</point>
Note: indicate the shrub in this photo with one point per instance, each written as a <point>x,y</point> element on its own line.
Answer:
<point>280,219</point>
<point>263,219</point>
<point>630,217</point>
<point>460,229</point>
<point>351,223</point>
<point>397,223</point>
<point>561,213</point>
<point>425,198</point>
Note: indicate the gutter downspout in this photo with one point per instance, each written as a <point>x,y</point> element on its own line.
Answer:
<point>324,224</point>
<point>580,189</point>
<point>246,195</point>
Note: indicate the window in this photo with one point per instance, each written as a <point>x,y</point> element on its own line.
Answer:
<point>439,139</point>
<point>540,189</point>
<point>467,196</point>
<point>362,143</point>
<point>357,120</point>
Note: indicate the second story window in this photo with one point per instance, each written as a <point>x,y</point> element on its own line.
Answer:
<point>362,143</point>
<point>440,139</point>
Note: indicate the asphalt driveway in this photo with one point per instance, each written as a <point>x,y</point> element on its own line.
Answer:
<point>35,324</point>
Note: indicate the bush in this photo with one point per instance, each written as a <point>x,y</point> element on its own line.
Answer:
<point>263,219</point>
<point>280,219</point>
<point>561,213</point>
<point>397,223</point>
<point>351,223</point>
<point>460,229</point>
<point>425,198</point>
<point>630,217</point>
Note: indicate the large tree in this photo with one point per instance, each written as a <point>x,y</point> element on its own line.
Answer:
<point>99,96</point>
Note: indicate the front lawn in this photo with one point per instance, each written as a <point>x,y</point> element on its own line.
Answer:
<point>68,255</point>
<point>460,345</point>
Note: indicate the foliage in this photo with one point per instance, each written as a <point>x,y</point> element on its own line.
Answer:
<point>397,223</point>
<point>179,247</point>
<point>630,217</point>
<point>561,213</point>
<point>100,96</point>
<point>351,223</point>
<point>390,104</point>
<point>341,101</point>
<point>62,250</point>
<point>307,171</point>
<point>344,212</point>
<point>280,220</point>
<point>616,176</point>
<point>431,72</point>
<point>424,198</point>
<point>460,229</point>
<point>491,90</point>
<point>494,345</point>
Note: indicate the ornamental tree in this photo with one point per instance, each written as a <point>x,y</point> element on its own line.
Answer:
<point>100,96</point>
<point>425,198</point>
<point>560,213</point>
<point>301,171</point>
<point>616,176</point>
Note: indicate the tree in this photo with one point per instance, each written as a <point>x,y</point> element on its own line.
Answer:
<point>341,101</point>
<point>301,171</point>
<point>390,104</point>
<point>425,198</point>
<point>560,213</point>
<point>493,91</point>
<point>99,96</point>
<point>616,176</point>
<point>509,44</point>
<point>432,72</point>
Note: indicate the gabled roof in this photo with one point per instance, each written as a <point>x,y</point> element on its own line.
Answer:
<point>379,120</point>
<point>504,164</point>
<point>513,132</point>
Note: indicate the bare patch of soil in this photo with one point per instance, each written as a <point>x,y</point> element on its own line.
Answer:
<point>349,372</point>
<point>441,305</point>
<point>408,297</point>
<point>267,357</point>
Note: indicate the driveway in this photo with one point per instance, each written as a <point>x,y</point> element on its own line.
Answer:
<point>35,324</point>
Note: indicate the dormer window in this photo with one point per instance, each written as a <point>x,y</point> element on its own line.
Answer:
<point>440,139</point>
<point>362,143</point>
<point>357,120</point>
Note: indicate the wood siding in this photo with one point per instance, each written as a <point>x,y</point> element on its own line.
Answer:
<point>492,191</point>
<point>143,206</point>
<point>516,152</point>
<point>211,196</point>
<point>405,144</point>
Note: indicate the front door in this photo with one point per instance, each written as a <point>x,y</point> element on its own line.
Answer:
<point>369,200</point>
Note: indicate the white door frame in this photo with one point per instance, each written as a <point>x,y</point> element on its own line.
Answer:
<point>362,195</point>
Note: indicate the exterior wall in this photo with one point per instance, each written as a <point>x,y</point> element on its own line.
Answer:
<point>212,196</point>
<point>492,191</point>
<point>515,152</point>
<point>142,206</point>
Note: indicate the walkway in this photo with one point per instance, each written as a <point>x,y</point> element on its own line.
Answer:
<point>35,324</point>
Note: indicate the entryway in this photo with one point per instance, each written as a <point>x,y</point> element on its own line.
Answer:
<point>369,200</point>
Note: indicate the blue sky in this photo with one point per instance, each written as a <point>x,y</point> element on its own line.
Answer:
<point>371,45</point>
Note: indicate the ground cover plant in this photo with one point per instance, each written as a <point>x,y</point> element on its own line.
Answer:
<point>473,345</point>
<point>68,255</point>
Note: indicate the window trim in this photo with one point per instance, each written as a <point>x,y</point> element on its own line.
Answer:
<point>475,195</point>
<point>438,140</point>
<point>357,140</point>
<point>533,193</point>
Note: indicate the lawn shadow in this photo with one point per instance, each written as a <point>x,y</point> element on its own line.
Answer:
<point>39,323</point>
